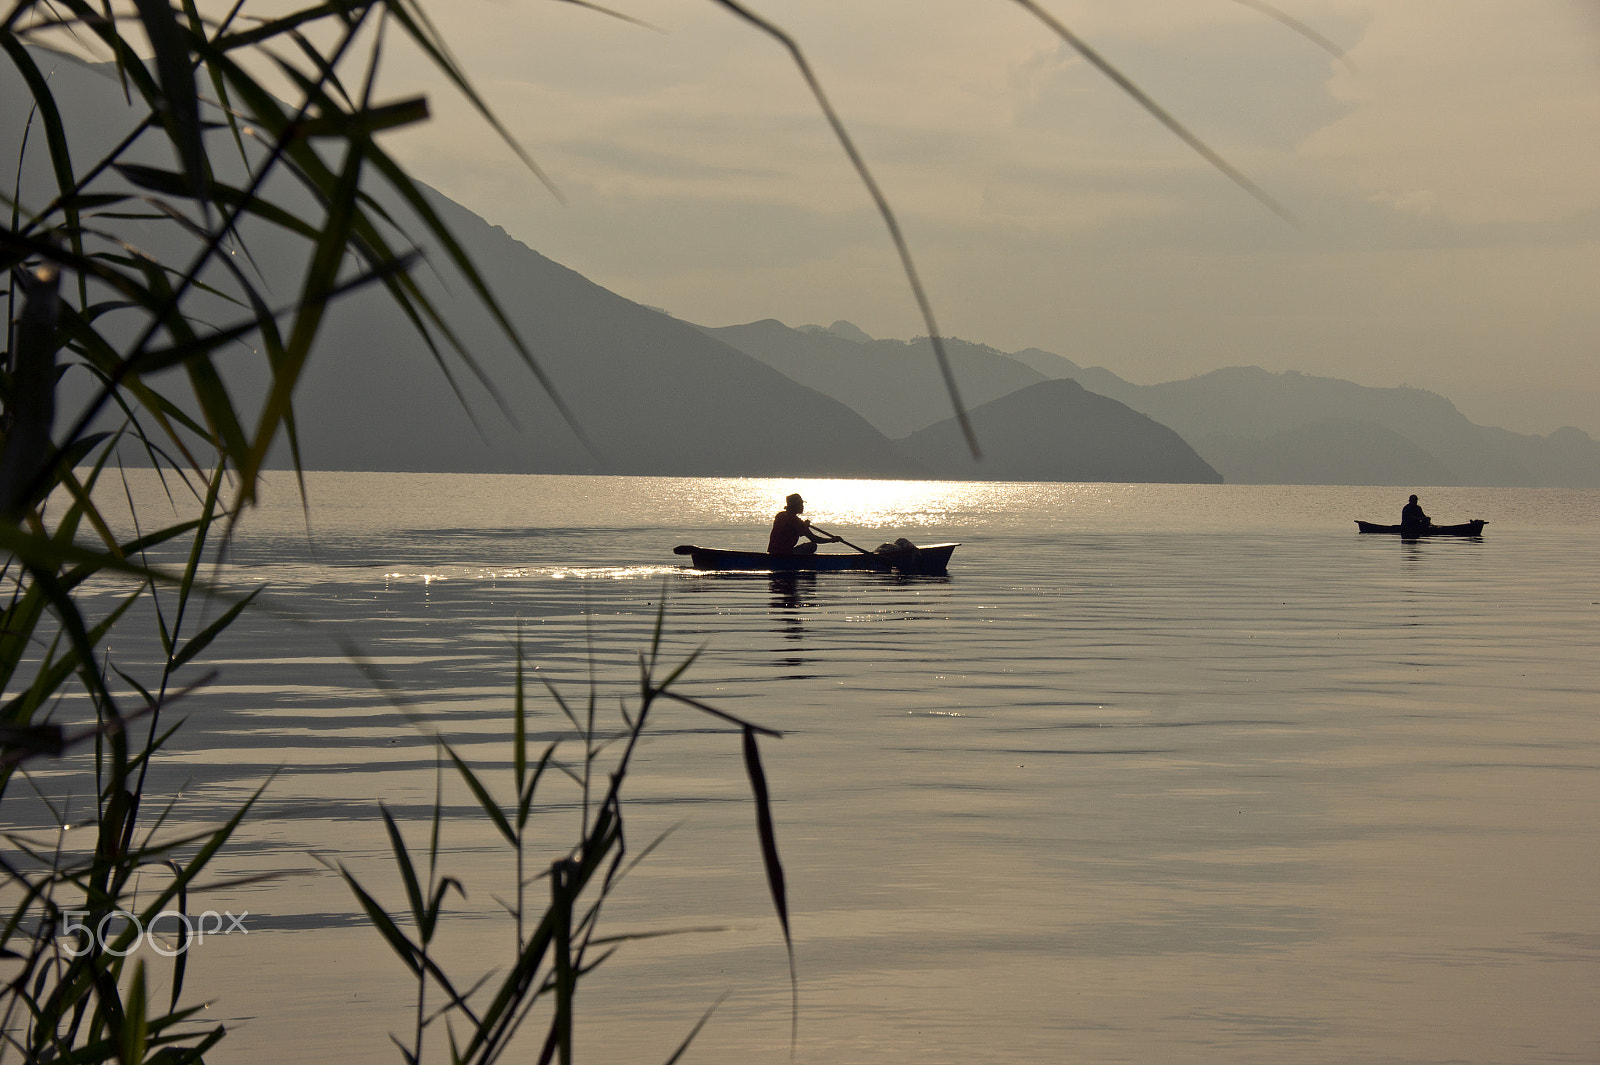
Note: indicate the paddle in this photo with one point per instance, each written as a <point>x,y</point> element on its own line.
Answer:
<point>842,540</point>
<point>689,549</point>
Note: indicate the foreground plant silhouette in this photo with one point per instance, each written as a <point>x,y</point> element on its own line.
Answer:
<point>162,339</point>
<point>160,342</point>
<point>557,944</point>
<point>128,276</point>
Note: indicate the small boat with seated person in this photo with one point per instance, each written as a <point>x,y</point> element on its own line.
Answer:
<point>1471,528</point>
<point>923,561</point>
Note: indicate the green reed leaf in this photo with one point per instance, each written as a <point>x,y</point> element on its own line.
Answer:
<point>408,951</point>
<point>366,121</point>
<point>519,727</point>
<point>732,719</point>
<point>525,799</point>
<point>1159,113</point>
<point>55,672</point>
<point>180,104</point>
<point>55,133</point>
<point>408,871</point>
<point>134,1021</point>
<point>171,183</point>
<point>203,639</point>
<point>320,280</point>
<point>701,1023</point>
<point>774,867</point>
<point>881,201</point>
<point>485,800</point>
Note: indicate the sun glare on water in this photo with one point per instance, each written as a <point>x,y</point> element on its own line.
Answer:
<point>869,504</point>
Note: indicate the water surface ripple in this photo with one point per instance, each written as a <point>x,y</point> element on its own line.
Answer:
<point>1148,777</point>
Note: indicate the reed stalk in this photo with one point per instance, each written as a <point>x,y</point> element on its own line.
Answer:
<point>483,1013</point>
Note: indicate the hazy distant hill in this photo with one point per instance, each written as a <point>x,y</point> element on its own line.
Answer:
<point>1329,451</point>
<point>841,328</point>
<point>894,384</point>
<point>1258,427</point>
<point>1094,378</point>
<point>654,395</point>
<point>1029,428</point>
<point>660,396</point>
<point>1252,426</point>
<point>651,394</point>
<point>1059,431</point>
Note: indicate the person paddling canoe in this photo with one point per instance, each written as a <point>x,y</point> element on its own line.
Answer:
<point>1412,517</point>
<point>788,527</point>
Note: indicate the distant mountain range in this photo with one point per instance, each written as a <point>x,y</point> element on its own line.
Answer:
<point>1258,427</point>
<point>1058,431</point>
<point>654,395</point>
<point>1250,425</point>
<point>651,394</point>
<point>894,384</point>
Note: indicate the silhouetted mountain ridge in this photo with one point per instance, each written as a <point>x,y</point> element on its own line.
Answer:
<point>1261,427</point>
<point>1250,424</point>
<point>1059,431</point>
<point>653,395</point>
<point>894,384</point>
<point>656,395</point>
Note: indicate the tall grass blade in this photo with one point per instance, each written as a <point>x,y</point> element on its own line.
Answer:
<point>519,729</point>
<point>55,132</point>
<point>203,639</point>
<point>180,965</point>
<point>1308,32</point>
<point>525,800</point>
<point>181,113</point>
<point>1159,113</point>
<point>53,671</point>
<point>613,14</point>
<point>774,868</point>
<point>902,248</point>
<point>320,279</point>
<point>561,896</point>
<point>701,1023</point>
<point>28,452</point>
<point>408,872</point>
<point>414,18</point>
<point>418,203</point>
<point>732,719</point>
<point>82,502</point>
<point>485,800</point>
<point>407,950</point>
<point>134,1020</point>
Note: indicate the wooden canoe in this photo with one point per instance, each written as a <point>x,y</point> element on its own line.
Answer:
<point>933,559</point>
<point>1471,528</point>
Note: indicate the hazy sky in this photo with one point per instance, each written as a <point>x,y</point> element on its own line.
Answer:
<point>1446,176</point>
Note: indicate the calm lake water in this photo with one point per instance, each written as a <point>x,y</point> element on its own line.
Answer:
<point>1156,774</point>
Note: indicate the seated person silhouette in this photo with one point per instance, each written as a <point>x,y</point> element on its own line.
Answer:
<point>1412,517</point>
<point>788,527</point>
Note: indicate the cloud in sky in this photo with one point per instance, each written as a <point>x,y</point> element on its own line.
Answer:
<point>1490,114</point>
<point>1445,175</point>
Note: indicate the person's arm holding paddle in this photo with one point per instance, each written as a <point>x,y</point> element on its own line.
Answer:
<point>788,527</point>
